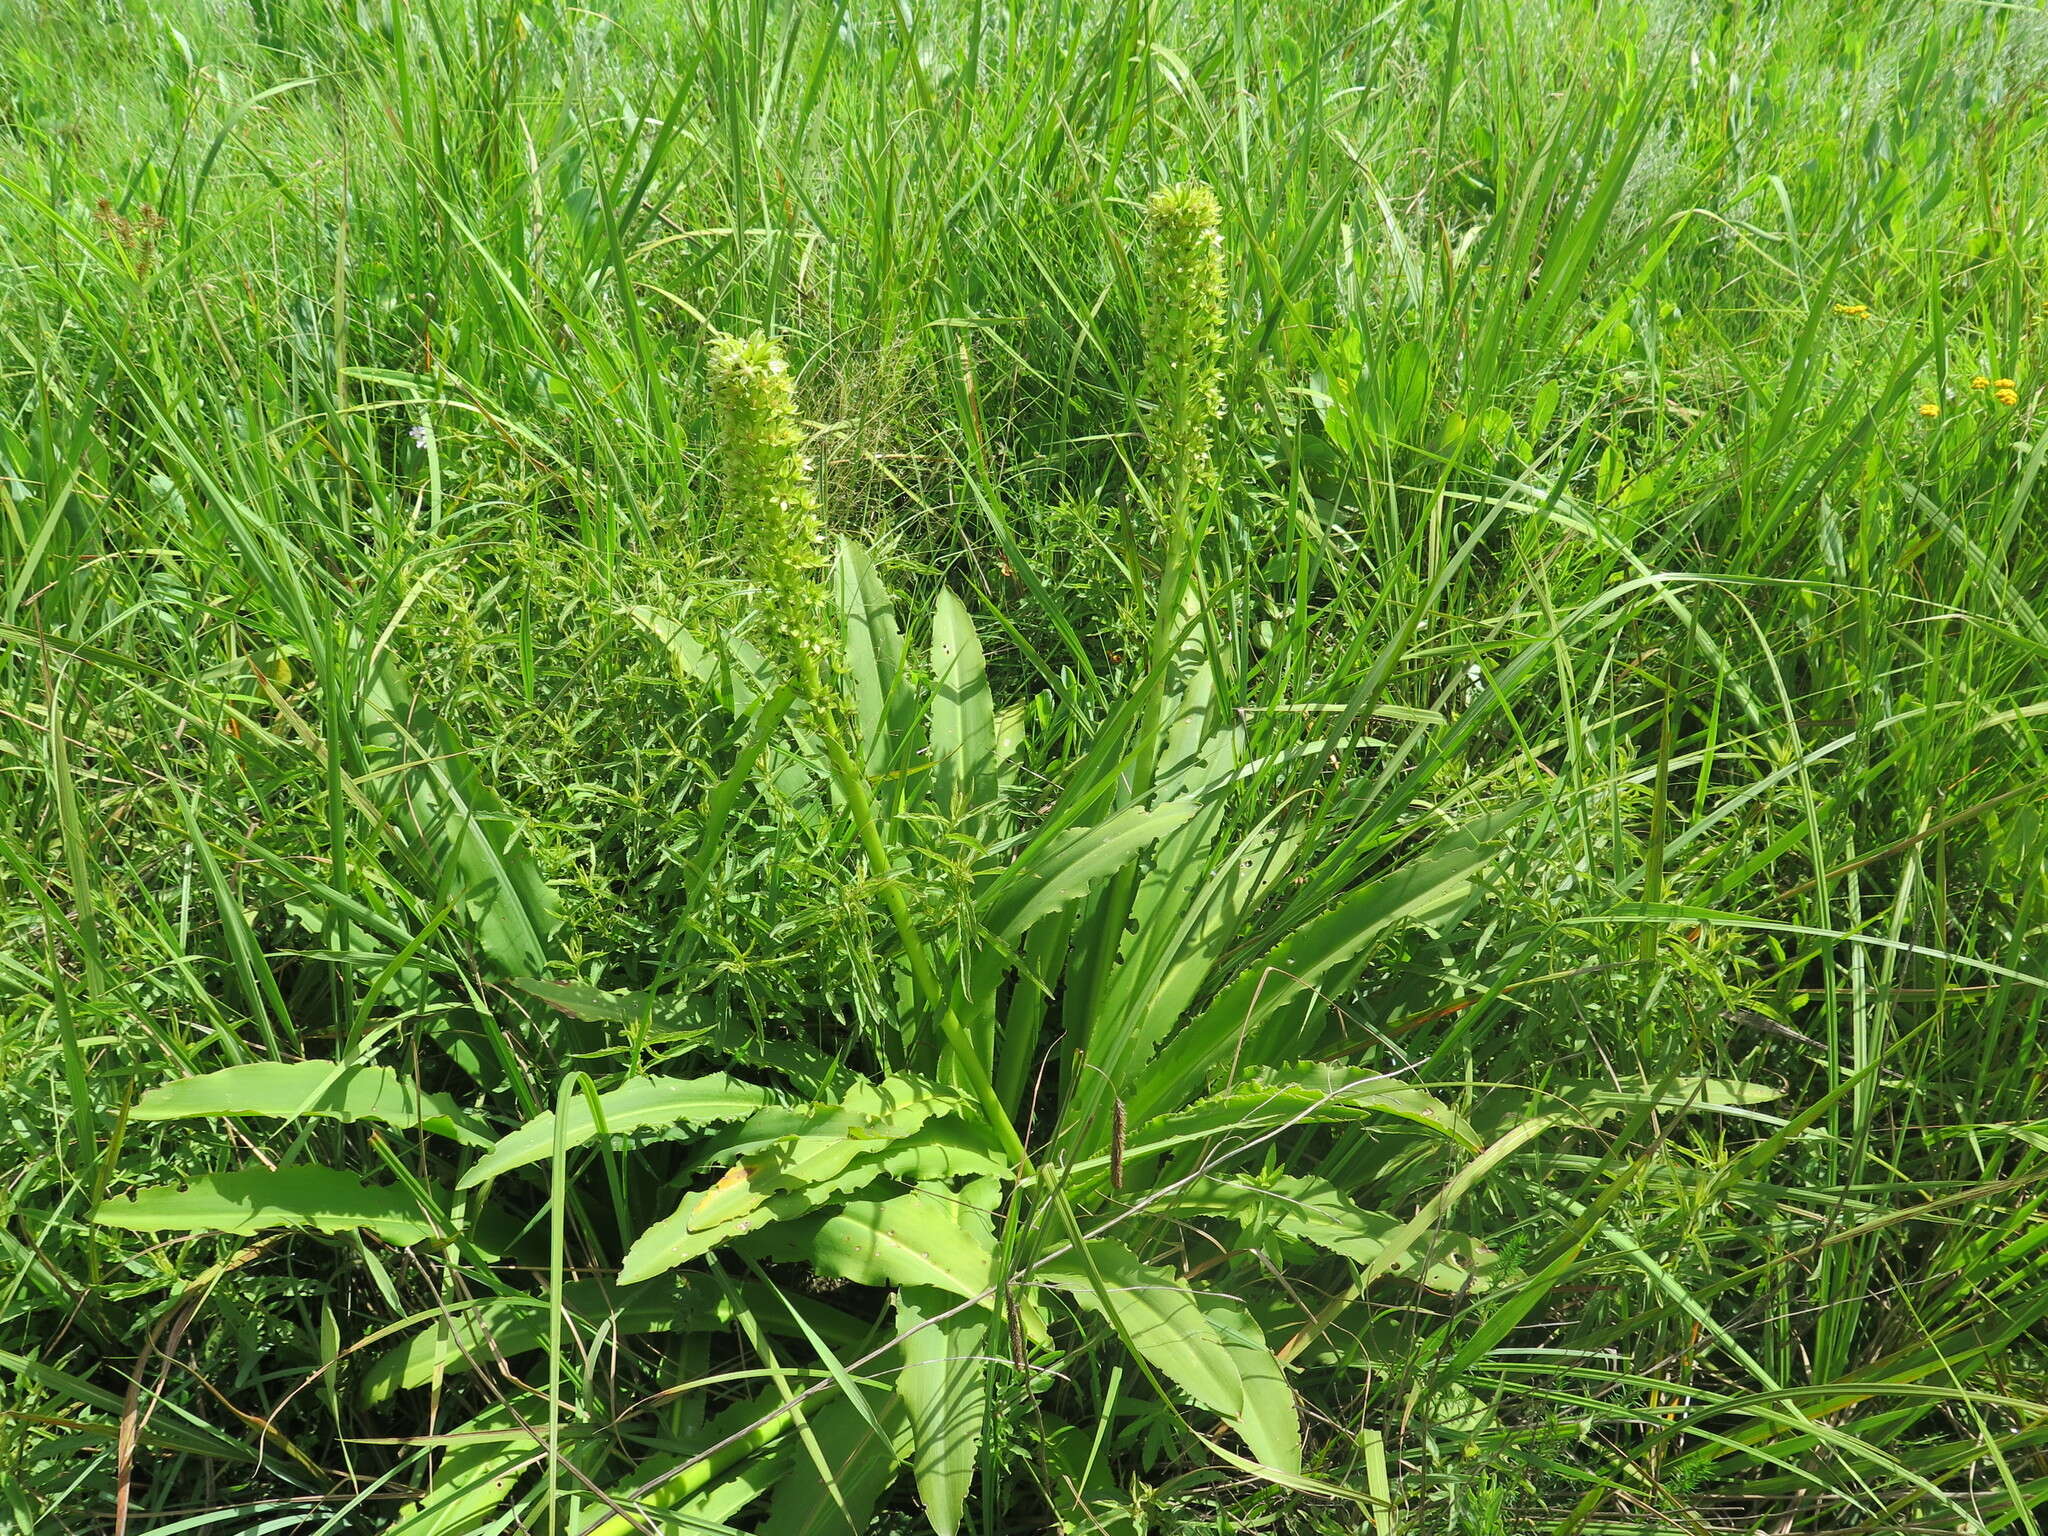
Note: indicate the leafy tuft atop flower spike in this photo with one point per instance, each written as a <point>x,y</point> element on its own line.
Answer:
<point>769,499</point>
<point>1183,337</point>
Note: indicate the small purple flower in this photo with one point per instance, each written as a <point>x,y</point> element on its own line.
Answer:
<point>421,434</point>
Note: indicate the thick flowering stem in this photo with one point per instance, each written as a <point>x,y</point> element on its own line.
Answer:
<point>768,495</point>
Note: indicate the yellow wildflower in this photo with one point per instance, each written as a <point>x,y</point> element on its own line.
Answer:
<point>1854,311</point>
<point>2003,384</point>
<point>2006,396</point>
<point>1929,408</point>
<point>1980,382</point>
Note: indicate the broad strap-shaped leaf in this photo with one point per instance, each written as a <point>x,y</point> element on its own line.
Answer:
<point>638,1104</point>
<point>1157,1316</point>
<point>874,657</point>
<point>1316,1211</point>
<point>453,829</point>
<point>1057,869</point>
<point>1292,981</point>
<point>860,1450</point>
<point>963,715</point>
<point>944,1363</point>
<point>1270,1421</point>
<point>267,1199</point>
<point>291,1090</point>
<point>1597,1101</point>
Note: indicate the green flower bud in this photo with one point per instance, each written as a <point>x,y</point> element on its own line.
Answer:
<point>769,500</point>
<point>1183,339</point>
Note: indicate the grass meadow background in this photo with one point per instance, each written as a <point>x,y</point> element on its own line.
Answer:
<point>1632,447</point>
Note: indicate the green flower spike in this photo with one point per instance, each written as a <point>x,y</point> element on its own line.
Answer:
<point>1183,339</point>
<point>769,500</point>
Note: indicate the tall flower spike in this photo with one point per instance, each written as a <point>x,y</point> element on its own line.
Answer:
<point>1183,338</point>
<point>769,500</point>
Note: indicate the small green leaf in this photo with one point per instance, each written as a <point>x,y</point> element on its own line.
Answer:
<point>266,1199</point>
<point>859,1458</point>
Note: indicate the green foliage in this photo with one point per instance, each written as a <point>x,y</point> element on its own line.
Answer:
<point>610,928</point>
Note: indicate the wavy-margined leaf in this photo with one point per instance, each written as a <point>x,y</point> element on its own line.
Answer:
<point>963,714</point>
<point>266,1199</point>
<point>638,1104</point>
<point>1261,1015</point>
<point>835,1150</point>
<point>860,1445</point>
<point>686,1233</point>
<point>1157,1316</point>
<point>824,1149</point>
<point>944,1361</point>
<point>1061,868</point>
<point>1316,1211</point>
<point>1270,1420</point>
<point>1274,1100</point>
<point>290,1090</point>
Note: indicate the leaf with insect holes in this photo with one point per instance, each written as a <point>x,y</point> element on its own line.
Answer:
<point>926,1238</point>
<point>319,1089</point>
<point>267,1199</point>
